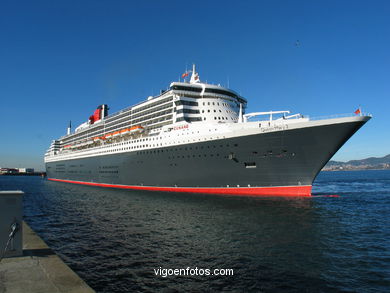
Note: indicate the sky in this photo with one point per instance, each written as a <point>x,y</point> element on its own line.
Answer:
<point>59,60</point>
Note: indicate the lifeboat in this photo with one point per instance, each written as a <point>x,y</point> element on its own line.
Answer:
<point>124,131</point>
<point>116,133</point>
<point>137,128</point>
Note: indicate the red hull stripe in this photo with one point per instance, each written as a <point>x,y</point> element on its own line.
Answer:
<point>247,191</point>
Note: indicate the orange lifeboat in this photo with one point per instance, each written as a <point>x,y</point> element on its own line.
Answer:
<point>137,128</point>
<point>124,131</point>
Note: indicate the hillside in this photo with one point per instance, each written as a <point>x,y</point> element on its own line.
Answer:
<point>364,164</point>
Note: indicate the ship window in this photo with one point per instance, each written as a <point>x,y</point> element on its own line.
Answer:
<point>190,111</point>
<point>186,103</point>
<point>187,88</point>
<point>250,165</point>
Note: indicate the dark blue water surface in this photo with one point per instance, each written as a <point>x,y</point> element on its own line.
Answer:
<point>114,239</point>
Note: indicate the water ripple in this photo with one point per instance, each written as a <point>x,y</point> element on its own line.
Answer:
<point>115,239</point>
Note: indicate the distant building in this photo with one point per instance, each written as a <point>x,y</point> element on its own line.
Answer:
<point>26,170</point>
<point>8,171</point>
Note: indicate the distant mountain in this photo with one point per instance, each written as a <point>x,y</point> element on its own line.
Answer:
<point>364,164</point>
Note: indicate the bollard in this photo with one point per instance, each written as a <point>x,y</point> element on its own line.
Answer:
<point>11,217</point>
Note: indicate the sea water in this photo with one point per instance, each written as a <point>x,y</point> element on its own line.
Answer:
<point>132,241</point>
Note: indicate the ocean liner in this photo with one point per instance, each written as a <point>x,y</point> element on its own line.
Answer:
<point>195,137</point>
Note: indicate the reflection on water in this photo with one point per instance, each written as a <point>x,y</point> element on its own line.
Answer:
<point>115,239</point>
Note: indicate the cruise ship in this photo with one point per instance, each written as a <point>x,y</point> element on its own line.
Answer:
<point>196,137</point>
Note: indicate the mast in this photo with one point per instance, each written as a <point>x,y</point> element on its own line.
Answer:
<point>194,76</point>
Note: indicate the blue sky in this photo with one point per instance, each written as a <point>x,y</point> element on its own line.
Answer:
<point>60,59</point>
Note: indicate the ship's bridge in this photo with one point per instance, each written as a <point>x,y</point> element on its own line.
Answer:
<point>206,102</point>
<point>208,90</point>
<point>197,101</point>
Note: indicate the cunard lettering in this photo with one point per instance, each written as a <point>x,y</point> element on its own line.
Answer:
<point>180,127</point>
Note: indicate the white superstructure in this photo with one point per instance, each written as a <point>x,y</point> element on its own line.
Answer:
<point>186,112</point>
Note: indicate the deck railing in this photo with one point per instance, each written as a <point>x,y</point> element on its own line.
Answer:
<point>344,115</point>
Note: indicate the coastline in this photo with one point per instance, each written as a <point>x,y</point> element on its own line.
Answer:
<point>357,169</point>
<point>41,173</point>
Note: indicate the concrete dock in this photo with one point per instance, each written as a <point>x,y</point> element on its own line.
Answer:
<point>38,270</point>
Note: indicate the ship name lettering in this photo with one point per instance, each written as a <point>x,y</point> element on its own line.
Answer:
<point>274,128</point>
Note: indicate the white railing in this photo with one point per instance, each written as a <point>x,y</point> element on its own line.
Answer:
<point>344,115</point>
<point>271,116</point>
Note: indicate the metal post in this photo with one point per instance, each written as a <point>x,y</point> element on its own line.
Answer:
<point>11,217</point>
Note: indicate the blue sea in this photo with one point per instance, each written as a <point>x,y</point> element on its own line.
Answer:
<point>336,241</point>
